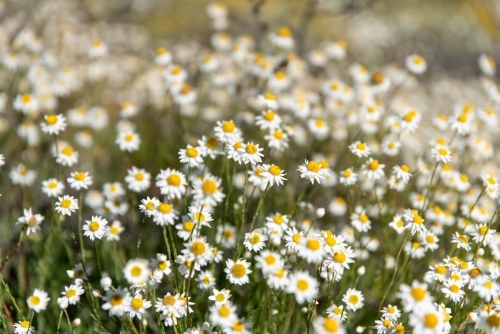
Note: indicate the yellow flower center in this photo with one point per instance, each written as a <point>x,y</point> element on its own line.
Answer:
<point>373,165</point>
<point>454,288</point>
<point>275,170</point>
<point>418,293</point>
<point>224,311</point>
<point>255,238</point>
<point>493,320</point>
<point>297,237</point>
<point>361,146</point>
<point>269,115</point>
<point>25,324</point>
<point>238,270</point>
<point>129,137</point>
<point>192,152</point>
<point>441,270</point>
<point>270,260</point>
<point>377,78</point>
<point>347,173</point>
<point>313,244</point>
<point>313,166</point>
<point>165,208</point>
<point>139,176</point>
<point>35,300</point>
<point>331,325</point>
<point>80,176</point>
<point>67,151</point>
<point>209,186</point>
<point>116,300</point>
<point>220,297</point>
<point>405,168</point>
<point>443,151</point>
<point>198,248</point>
<point>363,218</point>
<point>431,320</point>
<point>174,180</point>
<point>320,123</point>
<point>284,32</point>
<point>66,203</point>
<point>71,293</point>
<point>251,149</point>
<point>51,119</point>
<point>302,285</point>
<point>339,257</point>
<point>212,143</point>
<point>353,299</point>
<point>228,127</point>
<point>137,303</point>
<point>169,300</point>
<point>94,226</point>
<point>188,226</point>
<point>26,98</point>
<point>410,115</point>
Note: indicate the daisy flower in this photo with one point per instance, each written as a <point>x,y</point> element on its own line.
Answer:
<point>255,240</point>
<point>348,177</point>
<point>453,290</point>
<point>227,132</point>
<point>237,272</point>
<point>66,205</point>
<point>136,271</point>
<point>294,239</point>
<point>282,38</point>
<point>38,300</point>
<point>414,222</point>
<point>312,249</point>
<point>359,149</point>
<point>22,175</point>
<point>441,154</point>
<point>138,306</point>
<point>303,286</point>
<point>268,100</point>
<point>138,179</point>
<point>250,153</point>
<point>52,187</point>
<point>128,141</point>
<point>414,297</point>
<point>161,265</point>
<point>33,221</point>
<point>23,327</point>
<point>66,155</point>
<point>328,325</point>
<point>114,231</point>
<point>223,315</point>
<point>373,169</point>
<point>277,139</point>
<point>273,174</point>
<point>165,214</point>
<point>220,297</point>
<point>209,147</point>
<point>26,103</point>
<point>117,302</point>
<point>428,321</point>
<point>190,156</point>
<point>70,295</point>
<point>96,228</point>
<point>311,170</point>
<point>54,124</point>
<point>269,262</point>
<point>172,183</point>
<point>198,249</point>
<point>391,312</point>
<point>337,312</point>
<point>79,180</point>
<point>208,189</point>
<point>416,64</point>
<point>269,120</point>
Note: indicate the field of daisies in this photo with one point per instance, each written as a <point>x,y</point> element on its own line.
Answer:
<point>240,183</point>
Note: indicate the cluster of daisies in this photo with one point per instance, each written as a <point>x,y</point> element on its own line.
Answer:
<point>225,189</point>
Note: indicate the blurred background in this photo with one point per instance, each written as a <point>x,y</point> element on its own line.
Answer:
<point>449,33</point>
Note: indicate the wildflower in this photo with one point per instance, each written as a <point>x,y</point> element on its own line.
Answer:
<point>255,240</point>
<point>487,64</point>
<point>373,169</point>
<point>282,38</point>
<point>52,187</point>
<point>128,141</point>
<point>312,249</point>
<point>136,271</point>
<point>38,300</point>
<point>206,280</point>
<point>348,177</point>
<point>172,183</point>
<point>209,147</point>
<point>453,290</point>
<point>319,128</point>
<point>26,103</point>
<point>390,147</point>
<point>359,149</point>
<point>227,132</point>
<point>391,312</point>
<point>268,101</point>
<point>311,170</point>
<point>273,174</point>
<point>416,64</point>
<point>360,221</point>
<point>237,272</point>
<point>303,286</point>
<point>191,156</point>
<point>220,297</point>
<point>441,154</point>
<point>70,295</point>
<point>328,325</point>
<point>223,315</point>
<point>414,222</point>
<point>339,260</point>
<point>165,214</point>
<point>138,306</point>
<point>117,302</point>
<point>461,240</point>
<point>161,265</point>
<point>269,120</point>
<point>250,153</point>
<point>414,297</point>
<point>22,176</point>
<point>353,299</point>
<point>66,205</point>
<point>337,312</point>
<point>97,49</point>
<point>79,180</point>
<point>66,155</point>
<point>33,221</point>
<point>23,327</point>
<point>96,228</point>
<point>428,320</point>
<point>138,179</point>
<point>208,189</point>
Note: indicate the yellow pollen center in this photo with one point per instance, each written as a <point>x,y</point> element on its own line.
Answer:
<point>410,116</point>
<point>418,293</point>
<point>26,98</point>
<point>188,226</point>
<point>284,32</point>
<point>165,208</point>
<point>25,324</point>
<point>354,299</point>
<point>302,285</point>
<point>228,127</point>
<point>238,270</point>
<point>443,151</point>
<point>313,166</point>
<point>441,270</point>
<point>192,152</point>
<point>339,257</point>
<point>251,149</point>
<point>431,320</point>
<point>296,238</point>
<point>270,260</point>
<point>361,146</point>
<point>35,300</point>
<point>347,173</point>
<point>116,300</point>
<point>269,115</point>
<point>493,320</point>
<point>137,303</point>
<point>198,248</point>
<point>209,186</point>
<point>212,143</point>
<point>51,119</point>
<point>268,96</point>
<point>66,203</point>
<point>67,151</point>
<point>169,300</point>
<point>363,218</point>
<point>313,244</point>
<point>373,165</point>
<point>405,168</point>
<point>331,325</point>
<point>224,311</point>
<point>255,238</point>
